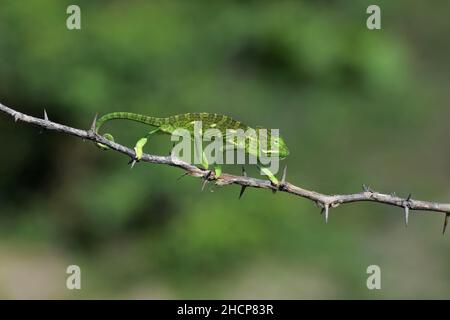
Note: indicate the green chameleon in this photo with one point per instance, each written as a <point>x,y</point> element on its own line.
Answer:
<point>209,120</point>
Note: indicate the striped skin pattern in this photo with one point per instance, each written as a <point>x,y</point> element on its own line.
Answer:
<point>186,121</point>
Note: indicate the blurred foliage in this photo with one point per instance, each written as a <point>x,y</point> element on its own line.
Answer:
<point>356,106</point>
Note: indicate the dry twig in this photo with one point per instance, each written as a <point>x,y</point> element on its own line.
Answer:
<point>325,202</point>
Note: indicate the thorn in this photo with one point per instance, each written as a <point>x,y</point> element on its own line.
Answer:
<point>182,176</point>
<point>170,152</point>
<point>244,173</point>
<point>320,205</point>
<point>45,119</point>
<point>406,215</point>
<point>132,161</point>
<point>206,179</point>
<point>16,116</point>
<point>204,184</point>
<point>445,222</point>
<point>327,209</point>
<point>409,197</point>
<point>94,123</point>
<point>242,191</point>
<point>366,188</point>
<point>393,194</point>
<point>283,178</point>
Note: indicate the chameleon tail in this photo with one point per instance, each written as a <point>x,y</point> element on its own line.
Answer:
<point>153,121</point>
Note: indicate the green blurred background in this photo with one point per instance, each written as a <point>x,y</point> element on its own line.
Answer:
<point>355,106</point>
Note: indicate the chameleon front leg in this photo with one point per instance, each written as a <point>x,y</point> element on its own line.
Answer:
<point>269,174</point>
<point>138,148</point>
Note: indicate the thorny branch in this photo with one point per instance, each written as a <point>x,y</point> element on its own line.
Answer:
<point>325,202</point>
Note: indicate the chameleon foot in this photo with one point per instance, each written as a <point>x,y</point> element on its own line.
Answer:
<point>138,149</point>
<point>274,181</point>
<point>107,136</point>
<point>138,152</point>
<point>217,171</point>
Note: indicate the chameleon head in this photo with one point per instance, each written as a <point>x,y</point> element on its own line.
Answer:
<point>278,143</point>
<point>279,148</point>
<point>282,147</point>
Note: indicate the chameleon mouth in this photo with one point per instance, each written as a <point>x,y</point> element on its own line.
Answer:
<point>285,153</point>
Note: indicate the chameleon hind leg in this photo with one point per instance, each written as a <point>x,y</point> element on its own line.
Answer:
<point>139,147</point>
<point>204,160</point>
<point>205,164</point>
<point>217,170</point>
<point>217,167</point>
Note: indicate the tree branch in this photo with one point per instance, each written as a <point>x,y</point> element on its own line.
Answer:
<point>325,202</point>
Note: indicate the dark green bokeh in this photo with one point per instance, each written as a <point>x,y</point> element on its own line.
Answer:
<point>355,106</point>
